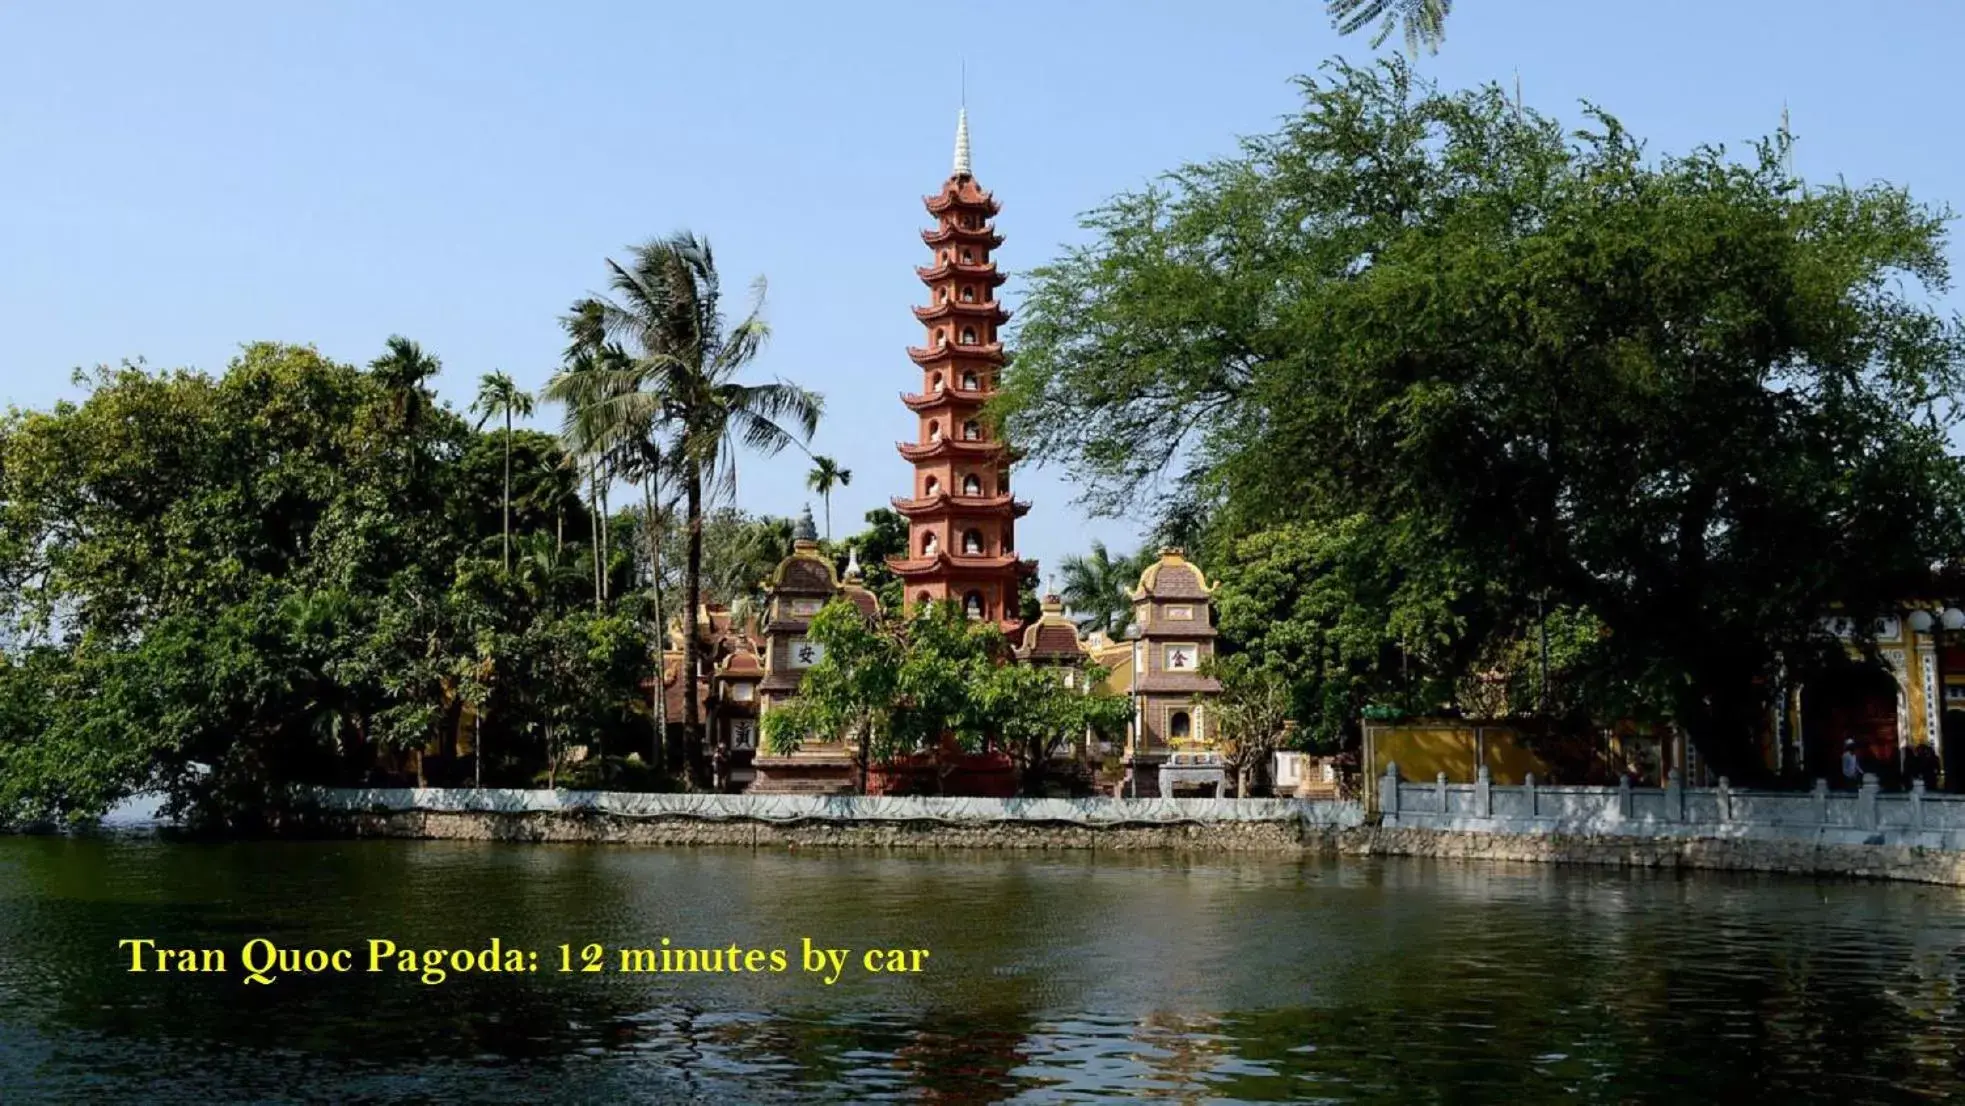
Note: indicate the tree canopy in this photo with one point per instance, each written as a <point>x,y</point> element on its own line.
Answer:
<point>1473,367</point>
<point>220,585</point>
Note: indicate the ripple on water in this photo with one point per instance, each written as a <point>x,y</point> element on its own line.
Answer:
<point>1054,979</point>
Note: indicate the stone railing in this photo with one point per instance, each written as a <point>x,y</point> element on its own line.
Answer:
<point>792,809</point>
<point>1866,815</point>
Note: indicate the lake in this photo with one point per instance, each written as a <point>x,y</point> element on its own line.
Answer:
<point>1051,978</point>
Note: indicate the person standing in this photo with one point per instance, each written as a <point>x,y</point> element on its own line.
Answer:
<point>1852,765</point>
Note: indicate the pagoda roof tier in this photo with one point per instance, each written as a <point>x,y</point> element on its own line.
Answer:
<point>958,192</point>
<point>984,235</point>
<point>943,503</point>
<point>952,447</point>
<point>988,352</point>
<point>945,563</point>
<point>976,270</point>
<point>947,397</point>
<point>988,310</point>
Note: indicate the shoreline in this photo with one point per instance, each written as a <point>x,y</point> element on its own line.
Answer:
<point>1277,837</point>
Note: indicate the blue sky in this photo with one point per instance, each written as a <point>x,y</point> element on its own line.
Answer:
<point>178,179</point>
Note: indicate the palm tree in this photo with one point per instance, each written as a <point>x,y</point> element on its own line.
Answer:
<point>1424,20</point>
<point>676,376</point>
<point>614,437</point>
<point>498,395</point>
<point>1098,589</point>
<point>826,475</point>
<point>402,371</point>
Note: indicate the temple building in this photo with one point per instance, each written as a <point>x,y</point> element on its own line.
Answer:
<point>961,517</point>
<point>1170,745</point>
<point>797,590</point>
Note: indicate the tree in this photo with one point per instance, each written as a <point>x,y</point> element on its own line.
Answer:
<point>674,373</point>
<point>1252,716</point>
<point>1501,368</point>
<point>825,475</point>
<point>228,584</point>
<point>1033,714</point>
<point>1424,20</point>
<point>1098,588</point>
<point>931,681</point>
<point>497,395</point>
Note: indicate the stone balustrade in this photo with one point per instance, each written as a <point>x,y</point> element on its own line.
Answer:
<point>1860,816</point>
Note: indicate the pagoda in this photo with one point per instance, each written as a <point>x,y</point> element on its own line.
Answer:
<point>961,517</point>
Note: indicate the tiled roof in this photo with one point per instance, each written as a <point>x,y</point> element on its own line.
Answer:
<point>1173,576</point>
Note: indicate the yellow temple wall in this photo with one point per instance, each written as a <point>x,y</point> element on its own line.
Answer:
<point>1423,750</point>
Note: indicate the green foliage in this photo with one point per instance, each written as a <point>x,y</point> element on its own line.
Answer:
<point>885,536</point>
<point>1098,587</point>
<point>1486,366</point>
<point>897,685</point>
<point>1252,715</point>
<point>225,585</point>
<point>1424,21</point>
<point>826,475</point>
<point>654,378</point>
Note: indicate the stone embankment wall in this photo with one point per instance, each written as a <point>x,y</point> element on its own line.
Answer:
<point>1260,825</point>
<point>1860,836</point>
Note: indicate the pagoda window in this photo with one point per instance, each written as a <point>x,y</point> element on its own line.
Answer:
<point>930,545</point>
<point>972,484</point>
<point>944,295</point>
<point>924,599</point>
<point>968,335</point>
<point>972,605</point>
<point>930,486</point>
<point>969,382</point>
<point>938,385</point>
<point>941,338</point>
<point>1180,726</point>
<point>972,543</point>
<point>934,432</point>
<point>1008,542</point>
<point>972,431</point>
<point>968,295</point>
<point>968,256</point>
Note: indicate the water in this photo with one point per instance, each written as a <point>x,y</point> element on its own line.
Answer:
<point>1051,979</point>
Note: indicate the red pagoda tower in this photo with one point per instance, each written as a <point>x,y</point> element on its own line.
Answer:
<point>961,518</point>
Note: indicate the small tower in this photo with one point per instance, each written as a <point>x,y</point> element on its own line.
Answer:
<point>1173,635</point>
<point>961,518</point>
<point>797,591</point>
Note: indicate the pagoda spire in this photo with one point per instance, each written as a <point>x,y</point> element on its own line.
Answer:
<point>962,143</point>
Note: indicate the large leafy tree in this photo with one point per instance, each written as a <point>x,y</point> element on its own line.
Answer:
<point>672,371</point>
<point>226,584</point>
<point>929,681</point>
<point>1524,369</point>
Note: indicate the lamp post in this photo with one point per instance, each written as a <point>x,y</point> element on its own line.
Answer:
<point>1937,623</point>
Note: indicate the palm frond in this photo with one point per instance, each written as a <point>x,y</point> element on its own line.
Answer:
<point>1424,20</point>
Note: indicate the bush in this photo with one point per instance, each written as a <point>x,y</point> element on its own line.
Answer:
<point>611,774</point>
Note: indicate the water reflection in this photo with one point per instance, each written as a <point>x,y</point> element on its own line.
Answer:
<point>1062,978</point>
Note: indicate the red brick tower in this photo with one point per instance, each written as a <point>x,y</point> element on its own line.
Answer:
<point>961,518</point>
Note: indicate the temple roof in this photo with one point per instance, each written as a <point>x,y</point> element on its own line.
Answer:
<point>1052,636</point>
<point>943,502</point>
<point>1173,576</point>
<point>947,445</point>
<point>805,572</point>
